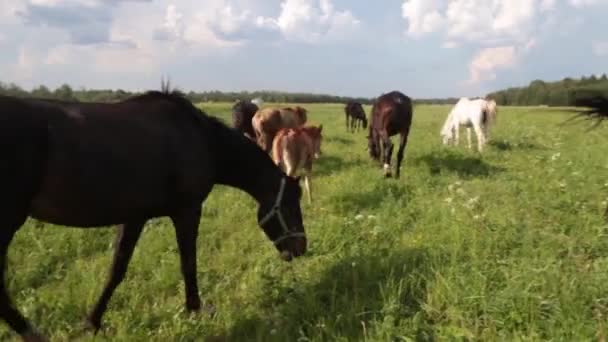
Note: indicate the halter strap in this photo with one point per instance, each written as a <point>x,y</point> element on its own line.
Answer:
<point>276,211</point>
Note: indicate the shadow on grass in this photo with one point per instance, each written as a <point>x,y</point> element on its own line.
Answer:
<point>341,141</point>
<point>383,287</point>
<point>327,165</point>
<point>505,145</point>
<point>356,201</point>
<point>464,166</point>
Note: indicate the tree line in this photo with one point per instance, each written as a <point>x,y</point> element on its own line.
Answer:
<point>67,93</point>
<point>567,92</point>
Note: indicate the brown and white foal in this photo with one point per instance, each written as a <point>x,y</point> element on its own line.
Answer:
<point>294,149</point>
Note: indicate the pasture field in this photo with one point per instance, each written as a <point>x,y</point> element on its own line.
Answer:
<point>507,246</point>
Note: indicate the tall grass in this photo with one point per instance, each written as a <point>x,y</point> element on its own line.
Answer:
<point>510,245</point>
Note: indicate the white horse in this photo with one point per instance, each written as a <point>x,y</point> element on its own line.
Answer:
<point>477,114</point>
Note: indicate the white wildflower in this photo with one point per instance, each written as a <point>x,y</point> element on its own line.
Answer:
<point>555,156</point>
<point>448,200</point>
<point>359,217</point>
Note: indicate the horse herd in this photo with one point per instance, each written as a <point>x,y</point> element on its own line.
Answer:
<point>157,155</point>
<point>282,131</point>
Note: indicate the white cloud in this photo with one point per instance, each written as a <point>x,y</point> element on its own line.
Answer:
<point>423,16</point>
<point>484,65</point>
<point>600,48</point>
<point>583,3</point>
<point>546,5</point>
<point>484,22</point>
<point>308,21</point>
<point>311,20</point>
<point>173,27</point>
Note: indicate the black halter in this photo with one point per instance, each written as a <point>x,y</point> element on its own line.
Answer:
<point>276,211</point>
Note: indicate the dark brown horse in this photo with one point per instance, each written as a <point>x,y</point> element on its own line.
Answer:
<point>242,113</point>
<point>94,164</point>
<point>391,115</point>
<point>354,111</point>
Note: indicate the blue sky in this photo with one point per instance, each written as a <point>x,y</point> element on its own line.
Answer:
<point>424,48</point>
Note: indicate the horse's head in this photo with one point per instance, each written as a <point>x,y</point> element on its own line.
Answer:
<point>372,148</point>
<point>281,218</point>
<point>315,134</point>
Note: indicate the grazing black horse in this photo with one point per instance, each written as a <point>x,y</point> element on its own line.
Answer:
<point>354,111</point>
<point>242,113</point>
<point>391,114</point>
<point>153,155</point>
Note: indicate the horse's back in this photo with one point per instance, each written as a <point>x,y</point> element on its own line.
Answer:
<point>394,112</point>
<point>104,163</point>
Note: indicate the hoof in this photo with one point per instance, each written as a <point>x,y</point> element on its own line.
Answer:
<point>91,326</point>
<point>204,309</point>
<point>208,310</point>
<point>387,170</point>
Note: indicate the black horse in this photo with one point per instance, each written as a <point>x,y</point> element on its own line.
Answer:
<point>153,155</point>
<point>354,111</point>
<point>391,114</point>
<point>242,113</point>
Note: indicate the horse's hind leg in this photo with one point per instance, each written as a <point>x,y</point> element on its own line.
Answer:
<point>387,151</point>
<point>400,152</point>
<point>16,321</point>
<point>127,237</point>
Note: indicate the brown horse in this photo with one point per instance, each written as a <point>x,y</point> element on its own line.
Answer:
<point>391,114</point>
<point>242,113</point>
<point>153,155</point>
<point>294,150</point>
<point>268,121</point>
<point>354,111</point>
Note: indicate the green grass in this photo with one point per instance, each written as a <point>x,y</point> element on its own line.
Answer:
<point>507,246</point>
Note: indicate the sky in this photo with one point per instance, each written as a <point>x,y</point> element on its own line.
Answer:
<point>423,48</point>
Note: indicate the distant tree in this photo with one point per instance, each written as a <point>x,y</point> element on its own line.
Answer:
<point>64,92</point>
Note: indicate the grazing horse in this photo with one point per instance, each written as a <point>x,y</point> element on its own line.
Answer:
<point>152,155</point>
<point>294,149</point>
<point>391,114</point>
<point>268,121</point>
<point>242,113</point>
<point>476,114</point>
<point>354,111</point>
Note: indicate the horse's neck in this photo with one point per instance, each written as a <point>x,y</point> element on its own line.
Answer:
<point>243,165</point>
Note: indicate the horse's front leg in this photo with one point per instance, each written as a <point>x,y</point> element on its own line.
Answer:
<point>186,223</point>
<point>126,238</point>
<point>481,139</point>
